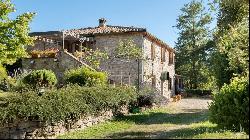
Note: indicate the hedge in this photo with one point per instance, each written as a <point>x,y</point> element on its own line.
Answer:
<point>66,103</point>
<point>230,107</point>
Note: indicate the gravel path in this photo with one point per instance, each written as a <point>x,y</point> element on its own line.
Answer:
<point>186,104</point>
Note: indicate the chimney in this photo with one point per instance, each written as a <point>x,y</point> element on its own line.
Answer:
<point>102,22</point>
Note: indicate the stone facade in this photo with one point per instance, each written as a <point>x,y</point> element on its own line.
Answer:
<point>106,38</point>
<point>120,71</point>
<point>155,67</point>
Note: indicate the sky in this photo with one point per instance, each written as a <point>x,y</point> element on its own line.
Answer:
<point>157,16</point>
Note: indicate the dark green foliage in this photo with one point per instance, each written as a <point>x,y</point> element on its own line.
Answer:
<point>231,13</point>
<point>198,92</point>
<point>230,107</point>
<point>39,78</point>
<point>70,102</point>
<point>219,68</point>
<point>85,77</point>
<point>231,37</point>
<point>147,97</point>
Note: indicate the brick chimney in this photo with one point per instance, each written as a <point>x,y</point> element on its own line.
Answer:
<point>102,22</point>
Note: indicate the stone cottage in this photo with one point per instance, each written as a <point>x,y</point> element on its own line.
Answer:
<point>159,56</point>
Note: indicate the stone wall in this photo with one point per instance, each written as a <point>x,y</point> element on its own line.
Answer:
<point>156,67</point>
<point>41,130</point>
<point>62,62</point>
<point>118,67</point>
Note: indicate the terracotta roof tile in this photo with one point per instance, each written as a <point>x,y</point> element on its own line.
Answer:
<point>103,30</point>
<point>106,30</point>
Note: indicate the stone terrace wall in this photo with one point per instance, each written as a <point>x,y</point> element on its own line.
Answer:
<point>40,130</point>
<point>59,65</point>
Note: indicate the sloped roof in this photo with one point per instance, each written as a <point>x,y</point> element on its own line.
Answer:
<point>106,30</point>
<point>103,30</point>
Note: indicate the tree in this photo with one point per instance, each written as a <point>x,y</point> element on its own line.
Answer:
<point>127,49</point>
<point>191,46</point>
<point>92,57</point>
<point>230,106</point>
<point>230,56</point>
<point>13,33</point>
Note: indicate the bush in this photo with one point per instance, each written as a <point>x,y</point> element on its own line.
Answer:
<point>85,77</point>
<point>230,107</point>
<point>146,98</point>
<point>70,102</point>
<point>198,92</point>
<point>39,78</point>
<point>3,79</point>
<point>3,73</point>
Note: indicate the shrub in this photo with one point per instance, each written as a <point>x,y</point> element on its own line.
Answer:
<point>7,84</point>
<point>3,78</point>
<point>39,78</point>
<point>3,73</point>
<point>146,98</point>
<point>70,102</point>
<point>230,107</point>
<point>85,77</point>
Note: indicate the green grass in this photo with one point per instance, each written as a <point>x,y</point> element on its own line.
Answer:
<point>98,130</point>
<point>158,123</point>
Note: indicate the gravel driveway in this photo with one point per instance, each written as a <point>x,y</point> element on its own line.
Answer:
<point>190,104</point>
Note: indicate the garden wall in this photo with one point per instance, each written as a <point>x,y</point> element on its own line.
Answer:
<point>41,130</point>
<point>62,62</point>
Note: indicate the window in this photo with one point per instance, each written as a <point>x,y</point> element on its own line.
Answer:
<point>170,84</point>
<point>171,59</point>
<point>153,81</point>
<point>163,54</point>
<point>152,52</point>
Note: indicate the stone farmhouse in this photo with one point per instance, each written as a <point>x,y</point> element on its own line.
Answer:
<point>159,56</point>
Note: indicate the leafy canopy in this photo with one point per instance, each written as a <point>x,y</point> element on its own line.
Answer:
<point>13,33</point>
<point>127,49</point>
<point>191,46</point>
<point>93,57</point>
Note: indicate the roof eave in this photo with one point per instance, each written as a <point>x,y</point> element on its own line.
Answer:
<point>158,41</point>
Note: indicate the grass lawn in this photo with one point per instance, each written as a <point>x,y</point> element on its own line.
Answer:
<point>157,123</point>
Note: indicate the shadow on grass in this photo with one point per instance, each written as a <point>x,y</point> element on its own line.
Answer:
<point>176,133</point>
<point>164,118</point>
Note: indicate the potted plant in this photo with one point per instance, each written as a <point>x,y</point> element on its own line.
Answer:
<point>35,54</point>
<point>51,52</point>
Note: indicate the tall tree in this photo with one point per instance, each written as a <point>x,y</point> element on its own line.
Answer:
<point>191,45</point>
<point>13,33</point>
<point>230,56</point>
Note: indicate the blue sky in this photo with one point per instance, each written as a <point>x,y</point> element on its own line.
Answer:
<point>158,16</point>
